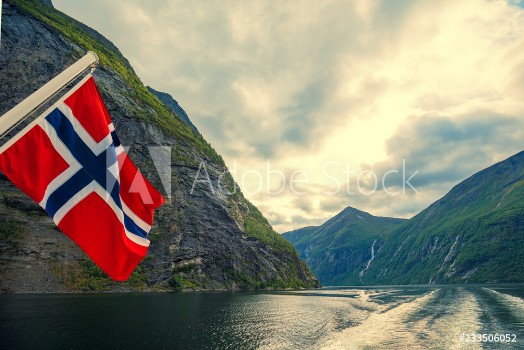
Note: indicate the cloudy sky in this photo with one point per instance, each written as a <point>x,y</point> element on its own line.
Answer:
<point>334,94</point>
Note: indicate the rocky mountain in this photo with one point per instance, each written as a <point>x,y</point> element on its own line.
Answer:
<point>474,234</point>
<point>209,238</point>
<point>339,251</point>
<point>173,106</point>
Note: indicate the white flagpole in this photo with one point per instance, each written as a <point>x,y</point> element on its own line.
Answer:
<point>42,95</point>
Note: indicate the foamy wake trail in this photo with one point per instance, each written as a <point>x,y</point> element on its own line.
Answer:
<point>460,316</point>
<point>434,320</point>
<point>375,329</point>
<point>515,304</point>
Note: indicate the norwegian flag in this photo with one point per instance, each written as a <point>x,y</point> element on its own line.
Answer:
<point>70,161</point>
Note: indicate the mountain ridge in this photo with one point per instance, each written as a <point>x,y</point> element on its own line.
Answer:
<point>473,234</point>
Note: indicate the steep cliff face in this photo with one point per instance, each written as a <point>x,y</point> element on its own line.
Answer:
<point>208,238</point>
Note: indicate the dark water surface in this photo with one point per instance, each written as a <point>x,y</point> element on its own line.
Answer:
<point>337,318</point>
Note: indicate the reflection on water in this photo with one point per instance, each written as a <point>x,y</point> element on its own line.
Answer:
<point>331,318</point>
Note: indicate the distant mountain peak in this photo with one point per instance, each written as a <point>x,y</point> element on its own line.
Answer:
<point>336,247</point>
<point>355,211</point>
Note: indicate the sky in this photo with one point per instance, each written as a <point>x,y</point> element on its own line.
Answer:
<point>319,105</point>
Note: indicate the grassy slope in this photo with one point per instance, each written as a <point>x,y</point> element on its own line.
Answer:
<point>255,224</point>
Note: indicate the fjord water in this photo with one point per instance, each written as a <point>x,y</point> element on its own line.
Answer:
<point>425,317</point>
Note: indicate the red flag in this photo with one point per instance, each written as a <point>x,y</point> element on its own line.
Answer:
<point>70,161</point>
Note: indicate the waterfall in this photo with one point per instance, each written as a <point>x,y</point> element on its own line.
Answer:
<point>370,260</point>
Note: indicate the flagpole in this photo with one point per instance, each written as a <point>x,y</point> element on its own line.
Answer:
<point>42,95</point>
